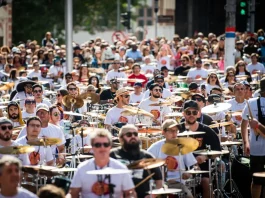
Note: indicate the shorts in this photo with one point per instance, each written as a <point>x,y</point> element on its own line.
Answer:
<point>257,164</point>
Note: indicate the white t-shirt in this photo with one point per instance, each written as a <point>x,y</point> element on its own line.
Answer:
<point>164,61</point>
<point>209,87</point>
<point>257,147</point>
<point>45,101</point>
<point>195,73</point>
<point>115,74</point>
<point>51,131</point>
<point>76,142</point>
<point>114,115</point>
<point>54,70</point>
<point>22,193</point>
<point>136,98</point>
<point>22,157</point>
<point>236,107</point>
<point>257,67</point>
<point>45,153</point>
<point>166,93</point>
<point>34,74</point>
<point>146,69</point>
<point>174,163</point>
<point>21,96</point>
<point>122,182</point>
<point>157,111</point>
<point>27,115</point>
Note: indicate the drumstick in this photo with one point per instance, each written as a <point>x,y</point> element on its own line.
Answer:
<point>257,131</point>
<point>140,183</point>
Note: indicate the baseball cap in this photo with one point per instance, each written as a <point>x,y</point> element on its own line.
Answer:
<point>121,91</point>
<point>12,103</point>
<point>164,68</point>
<point>169,123</point>
<point>198,95</point>
<point>214,98</point>
<point>44,69</point>
<point>191,104</point>
<point>4,120</point>
<point>193,85</point>
<point>159,77</point>
<point>43,107</point>
<point>138,84</point>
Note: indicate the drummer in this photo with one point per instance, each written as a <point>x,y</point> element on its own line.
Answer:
<point>6,127</point>
<point>209,138</point>
<point>94,186</point>
<point>130,152</point>
<point>108,95</point>
<point>41,155</point>
<point>14,114</point>
<point>174,163</point>
<point>114,114</point>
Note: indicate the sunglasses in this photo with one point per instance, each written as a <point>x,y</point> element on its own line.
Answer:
<point>130,134</point>
<point>198,99</point>
<point>191,112</point>
<point>158,90</point>
<point>241,65</point>
<point>116,63</point>
<point>30,102</point>
<point>125,96</point>
<point>159,81</point>
<point>69,77</point>
<point>104,144</point>
<point>37,91</point>
<point>5,127</point>
<point>72,89</point>
<point>231,75</point>
<point>58,95</point>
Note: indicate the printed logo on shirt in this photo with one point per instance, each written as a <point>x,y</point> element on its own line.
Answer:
<point>254,71</point>
<point>200,140</point>
<point>34,158</point>
<point>156,113</point>
<point>163,62</point>
<point>197,76</point>
<point>238,118</point>
<point>123,119</point>
<point>172,163</point>
<point>100,188</point>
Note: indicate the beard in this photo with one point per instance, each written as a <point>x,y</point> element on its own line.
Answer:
<point>191,122</point>
<point>5,138</point>
<point>132,148</point>
<point>156,96</point>
<point>13,116</point>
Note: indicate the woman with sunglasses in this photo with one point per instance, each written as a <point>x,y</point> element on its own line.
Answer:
<point>211,82</point>
<point>241,69</point>
<point>55,115</point>
<point>230,80</point>
<point>59,97</point>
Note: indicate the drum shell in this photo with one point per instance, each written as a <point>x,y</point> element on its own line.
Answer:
<point>61,182</point>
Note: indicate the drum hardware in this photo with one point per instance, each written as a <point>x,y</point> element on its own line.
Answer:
<point>144,180</point>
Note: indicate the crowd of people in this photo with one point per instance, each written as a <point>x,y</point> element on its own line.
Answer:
<point>39,97</point>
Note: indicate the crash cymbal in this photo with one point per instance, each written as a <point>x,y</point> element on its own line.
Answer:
<point>149,130</point>
<point>44,141</point>
<point>146,164</point>
<point>174,114</point>
<point>242,77</point>
<point>182,89</point>
<point>129,110</point>
<point>230,143</point>
<point>86,130</point>
<point>41,170</point>
<point>254,75</point>
<point>73,113</point>
<point>129,88</point>
<point>182,77</point>
<point>93,97</point>
<point>192,171</point>
<point>175,107</point>
<point>206,152</point>
<point>220,124</point>
<point>96,70</point>
<point>173,99</point>
<point>186,144</point>
<point>80,156</point>
<point>171,73</point>
<point>186,95</point>
<point>16,150</point>
<point>260,174</point>
<point>160,104</point>
<point>69,100</point>
<point>215,108</point>
<point>189,133</point>
<point>108,171</point>
<point>163,191</point>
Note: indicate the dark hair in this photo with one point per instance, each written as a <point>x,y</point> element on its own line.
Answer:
<point>71,83</point>
<point>51,191</point>
<point>90,81</point>
<point>152,86</point>
<point>37,85</point>
<point>216,89</point>
<point>63,92</point>
<point>227,74</point>
<point>12,75</point>
<point>53,107</point>
<point>33,118</point>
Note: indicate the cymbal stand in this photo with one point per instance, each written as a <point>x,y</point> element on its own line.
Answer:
<point>218,190</point>
<point>180,160</point>
<point>73,152</point>
<point>210,171</point>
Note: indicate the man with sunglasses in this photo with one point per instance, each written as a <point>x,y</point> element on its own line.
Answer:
<point>37,90</point>
<point>209,138</point>
<point>14,114</point>
<point>130,152</point>
<point>115,73</point>
<point>108,95</point>
<point>94,186</point>
<point>197,73</point>
<point>159,112</point>
<point>30,108</point>
<point>174,163</point>
<point>41,155</point>
<point>114,114</point>
<point>6,128</point>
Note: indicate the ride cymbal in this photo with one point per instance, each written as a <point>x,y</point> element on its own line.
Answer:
<point>220,124</point>
<point>44,141</point>
<point>69,100</point>
<point>215,108</point>
<point>16,150</point>
<point>146,164</point>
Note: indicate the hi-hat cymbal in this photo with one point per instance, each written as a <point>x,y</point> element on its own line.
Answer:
<point>16,150</point>
<point>192,171</point>
<point>41,170</point>
<point>108,171</point>
<point>230,143</point>
<point>146,164</point>
<point>174,114</point>
<point>220,124</point>
<point>69,100</point>
<point>183,145</point>
<point>93,97</point>
<point>215,108</point>
<point>44,141</point>
<point>189,133</point>
<point>163,191</point>
<point>131,111</point>
<point>206,152</point>
<point>149,130</point>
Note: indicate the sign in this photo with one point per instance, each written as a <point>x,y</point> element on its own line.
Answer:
<point>118,36</point>
<point>165,19</point>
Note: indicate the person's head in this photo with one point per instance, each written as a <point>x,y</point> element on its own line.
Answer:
<point>251,41</point>
<point>129,62</point>
<point>214,98</point>
<point>159,79</point>
<point>55,114</point>
<point>206,65</point>
<point>33,126</point>
<point>6,127</point>
<point>114,84</point>
<point>147,60</point>
<point>93,80</point>
<point>133,46</point>
<point>28,87</point>
<point>254,58</point>
<point>122,96</point>
<point>44,72</point>
<point>116,64</point>
<point>13,110</point>
<point>170,129</point>
<point>164,71</point>
<point>248,89</point>
<point>72,89</point>
<point>240,66</point>
<point>156,90</point>
<point>213,79</point>
<point>68,78</point>
<point>101,141</point>
<point>198,63</point>
<point>239,90</point>
<point>136,68</point>
<point>194,87</point>
<point>128,136</point>
<point>199,98</point>
<point>37,91</point>
<point>230,77</point>
<point>185,60</point>
<point>10,170</point>
<point>51,191</point>
<point>36,65</point>
<point>42,111</point>
<point>91,89</point>
<point>191,112</point>
<point>60,94</point>
<point>30,104</point>
<point>138,87</point>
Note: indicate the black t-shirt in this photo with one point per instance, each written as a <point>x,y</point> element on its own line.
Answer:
<point>182,71</point>
<point>107,95</point>
<point>126,158</point>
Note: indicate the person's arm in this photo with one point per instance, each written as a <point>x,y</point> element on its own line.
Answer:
<point>255,124</point>
<point>74,192</point>
<point>50,163</point>
<point>244,134</point>
<point>127,193</point>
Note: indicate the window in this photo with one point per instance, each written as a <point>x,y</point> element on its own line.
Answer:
<point>149,12</point>
<point>141,12</point>
<point>141,23</point>
<point>149,22</point>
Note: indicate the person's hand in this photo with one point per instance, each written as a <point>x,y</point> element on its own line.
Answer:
<point>186,176</point>
<point>253,123</point>
<point>201,159</point>
<point>110,100</point>
<point>246,149</point>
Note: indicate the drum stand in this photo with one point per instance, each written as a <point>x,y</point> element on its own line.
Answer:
<point>218,191</point>
<point>73,162</point>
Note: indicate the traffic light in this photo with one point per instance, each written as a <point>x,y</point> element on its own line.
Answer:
<point>126,20</point>
<point>243,7</point>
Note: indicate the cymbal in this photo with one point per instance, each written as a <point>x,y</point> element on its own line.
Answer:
<point>173,99</point>
<point>220,124</point>
<point>108,171</point>
<point>215,108</point>
<point>80,156</point>
<point>135,80</point>
<point>182,89</point>
<point>69,100</point>
<point>41,170</point>
<point>131,111</point>
<point>146,164</point>
<point>174,114</point>
<point>254,83</point>
<point>86,130</point>
<point>187,145</point>
<point>73,113</point>
<point>97,70</point>
<point>188,133</point>
<point>162,191</point>
<point>64,169</point>
<point>234,113</point>
<point>254,75</point>
<point>242,77</point>
<point>206,152</point>
<point>140,125</point>
<point>149,130</point>
<point>230,143</point>
<point>44,141</point>
<point>260,174</point>
<point>3,107</point>
<point>92,96</point>
<point>129,88</point>
<point>182,77</point>
<point>160,104</point>
<point>192,171</point>
<point>16,150</point>
<point>186,95</point>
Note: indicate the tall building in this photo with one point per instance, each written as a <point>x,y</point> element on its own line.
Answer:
<point>6,25</point>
